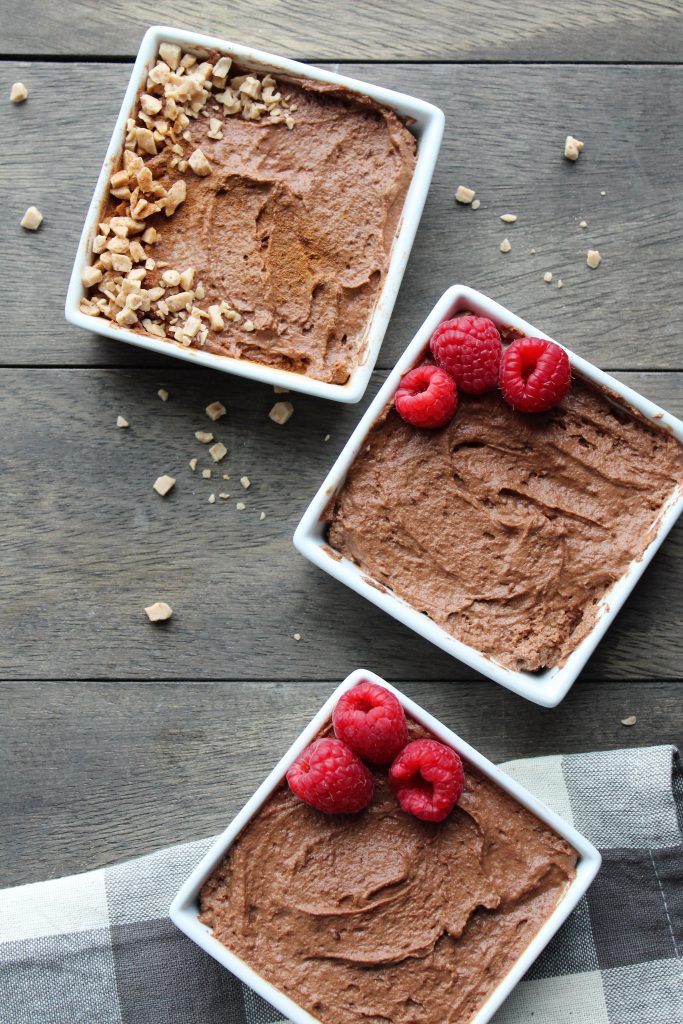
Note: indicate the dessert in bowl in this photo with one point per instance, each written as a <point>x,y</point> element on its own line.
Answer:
<point>254,214</point>
<point>509,538</point>
<point>436,907</point>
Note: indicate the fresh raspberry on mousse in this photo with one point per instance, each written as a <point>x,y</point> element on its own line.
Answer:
<point>469,348</point>
<point>426,397</point>
<point>370,720</point>
<point>428,779</point>
<point>426,776</point>
<point>534,374</point>
<point>329,777</point>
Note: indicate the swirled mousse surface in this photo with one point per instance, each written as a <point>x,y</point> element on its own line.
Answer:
<point>293,229</point>
<point>381,918</point>
<point>507,528</point>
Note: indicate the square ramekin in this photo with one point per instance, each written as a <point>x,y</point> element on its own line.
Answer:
<point>427,124</point>
<point>185,907</point>
<point>550,686</point>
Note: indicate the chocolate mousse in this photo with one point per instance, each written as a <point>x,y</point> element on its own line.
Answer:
<point>379,916</point>
<point>507,528</point>
<point>251,216</point>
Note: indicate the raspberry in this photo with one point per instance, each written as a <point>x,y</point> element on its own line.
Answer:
<point>469,348</point>
<point>427,778</point>
<point>534,374</point>
<point>371,721</point>
<point>330,777</point>
<point>426,396</point>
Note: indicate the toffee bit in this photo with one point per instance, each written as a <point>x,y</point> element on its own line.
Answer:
<point>464,195</point>
<point>215,411</point>
<point>218,451</point>
<point>572,148</point>
<point>159,611</point>
<point>18,92</point>
<point>199,164</point>
<point>163,484</point>
<point>281,412</point>
<point>32,219</point>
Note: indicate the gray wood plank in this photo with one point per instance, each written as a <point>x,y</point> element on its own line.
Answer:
<point>126,768</point>
<point>433,30</point>
<point>504,137</point>
<point>86,543</point>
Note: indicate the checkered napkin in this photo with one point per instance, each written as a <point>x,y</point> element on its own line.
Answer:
<point>99,948</point>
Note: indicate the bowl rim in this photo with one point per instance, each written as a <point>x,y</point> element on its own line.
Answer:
<point>184,910</point>
<point>428,125</point>
<point>549,687</point>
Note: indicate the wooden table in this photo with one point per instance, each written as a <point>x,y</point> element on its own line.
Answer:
<point>118,737</point>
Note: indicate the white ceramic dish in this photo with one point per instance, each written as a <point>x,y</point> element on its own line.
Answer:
<point>427,125</point>
<point>550,686</point>
<point>185,907</point>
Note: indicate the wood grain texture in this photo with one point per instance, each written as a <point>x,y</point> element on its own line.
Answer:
<point>504,136</point>
<point>577,30</point>
<point>87,544</point>
<point>120,737</point>
<point>105,771</point>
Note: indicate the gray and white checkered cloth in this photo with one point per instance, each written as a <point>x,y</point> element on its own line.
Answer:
<point>99,948</point>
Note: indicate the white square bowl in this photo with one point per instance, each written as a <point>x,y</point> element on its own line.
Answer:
<point>184,910</point>
<point>550,686</point>
<point>427,124</point>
